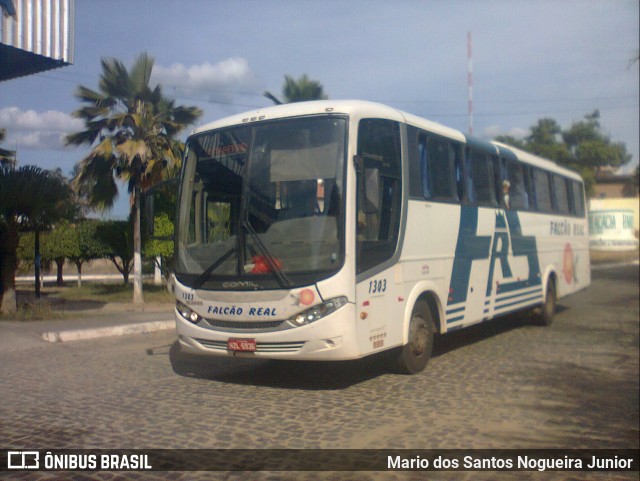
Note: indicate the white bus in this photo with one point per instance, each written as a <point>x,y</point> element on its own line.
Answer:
<point>333,230</point>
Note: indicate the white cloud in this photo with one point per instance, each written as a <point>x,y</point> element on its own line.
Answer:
<point>37,130</point>
<point>229,76</point>
<point>492,131</point>
<point>519,132</point>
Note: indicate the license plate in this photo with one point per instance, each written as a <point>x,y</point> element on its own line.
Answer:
<point>246,345</point>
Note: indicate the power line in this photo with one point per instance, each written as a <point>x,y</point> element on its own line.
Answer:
<point>434,102</point>
<point>388,101</point>
<point>462,101</point>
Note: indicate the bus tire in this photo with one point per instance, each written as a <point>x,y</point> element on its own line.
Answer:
<point>548,307</point>
<point>414,356</point>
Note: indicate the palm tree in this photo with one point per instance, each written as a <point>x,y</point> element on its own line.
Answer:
<point>131,128</point>
<point>299,91</point>
<point>30,199</point>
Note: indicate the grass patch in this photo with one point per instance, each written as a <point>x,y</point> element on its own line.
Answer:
<point>61,302</point>
<point>110,293</point>
<point>37,310</point>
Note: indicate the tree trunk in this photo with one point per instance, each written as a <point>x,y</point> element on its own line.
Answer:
<point>79,267</point>
<point>157,271</point>
<point>8,303</point>
<point>123,269</point>
<point>59,265</point>
<point>9,240</point>
<point>137,249</point>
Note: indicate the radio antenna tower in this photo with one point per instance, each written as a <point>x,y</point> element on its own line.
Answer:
<point>470,82</point>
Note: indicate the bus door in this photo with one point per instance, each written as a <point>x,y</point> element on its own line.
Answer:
<point>379,206</point>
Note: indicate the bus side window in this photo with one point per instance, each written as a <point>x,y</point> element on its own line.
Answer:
<point>415,173</point>
<point>501,176</point>
<point>425,175</point>
<point>441,175</point>
<point>561,195</point>
<point>469,176</point>
<point>518,197</point>
<point>543,191</point>
<point>483,178</point>
<point>577,197</point>
<point>456,153</point>
<point>527,188</point>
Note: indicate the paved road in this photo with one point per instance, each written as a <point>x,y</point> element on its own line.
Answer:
<point>503,384</point>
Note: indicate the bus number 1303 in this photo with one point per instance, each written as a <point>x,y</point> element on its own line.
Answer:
<point>377,286</point>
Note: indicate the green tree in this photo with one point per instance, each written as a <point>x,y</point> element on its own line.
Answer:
<point>31,199</point>
<point>115,238</point>
<point>26,251</point>
<point>583,147</point>
<point>163,249</point>
<point>299,90</point>
<point>131,128</point>
<point>546,141</point>
<point>591,147</point>
<point>76,241</point>
<point>84,244</point>
<point>60,244</point>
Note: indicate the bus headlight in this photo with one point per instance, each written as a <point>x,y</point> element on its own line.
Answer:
<point>187,313</point>
<point>317,312</point>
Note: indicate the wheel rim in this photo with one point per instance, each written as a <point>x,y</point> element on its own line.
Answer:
<point>418,336</point>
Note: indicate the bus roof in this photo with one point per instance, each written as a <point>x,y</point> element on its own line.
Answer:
<point>363,108</point>
<point>360,108</point>
<point>296,109</point>
<point>536,161</point>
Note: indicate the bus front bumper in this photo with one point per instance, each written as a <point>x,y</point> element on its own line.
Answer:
<point>330,338</point>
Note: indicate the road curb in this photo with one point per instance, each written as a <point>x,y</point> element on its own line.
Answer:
<point>121,330</point>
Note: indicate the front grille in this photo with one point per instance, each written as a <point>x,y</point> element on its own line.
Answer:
<point>243,324</point>
<point>260,347</point>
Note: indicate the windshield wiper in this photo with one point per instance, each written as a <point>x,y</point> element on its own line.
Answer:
<point>280,276</point>
<point>209,270</point>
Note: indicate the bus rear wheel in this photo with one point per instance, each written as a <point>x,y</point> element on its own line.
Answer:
<point>548,308</point>
<point>414,356</point>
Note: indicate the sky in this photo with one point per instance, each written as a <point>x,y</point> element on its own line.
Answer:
<point>531,59</point>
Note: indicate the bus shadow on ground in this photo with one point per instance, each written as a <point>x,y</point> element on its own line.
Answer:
<point>306,375</point>
<point>484,330</point>
<point>327,375</point>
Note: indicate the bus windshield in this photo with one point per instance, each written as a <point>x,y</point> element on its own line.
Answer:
<point>261,205</point>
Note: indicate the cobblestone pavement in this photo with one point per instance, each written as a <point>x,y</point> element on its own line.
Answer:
<point>502,384</point>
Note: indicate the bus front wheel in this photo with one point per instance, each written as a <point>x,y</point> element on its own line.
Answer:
<point>414,356</point>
